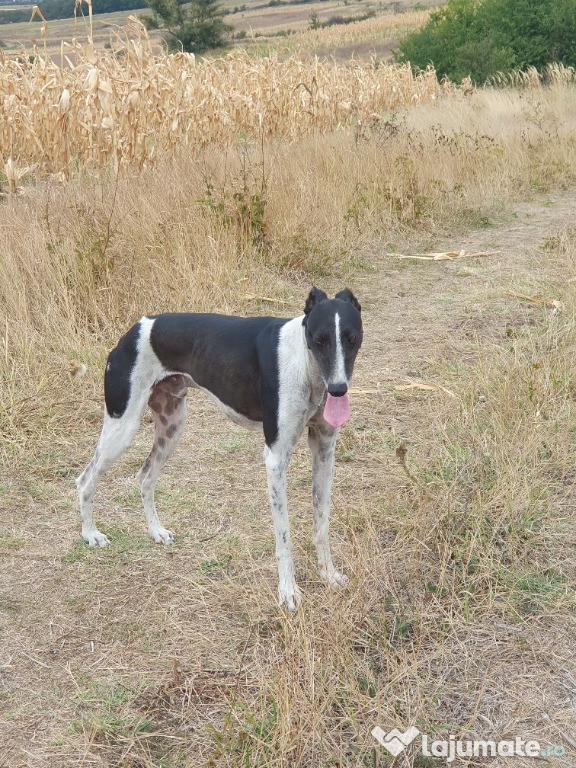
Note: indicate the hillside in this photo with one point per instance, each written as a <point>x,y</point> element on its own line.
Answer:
<point>261,28</point>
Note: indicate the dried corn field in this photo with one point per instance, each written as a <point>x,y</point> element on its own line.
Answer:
<point>368,30</point>
<point>127,107</point>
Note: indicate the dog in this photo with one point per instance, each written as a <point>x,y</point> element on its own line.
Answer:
<point>278,375</point>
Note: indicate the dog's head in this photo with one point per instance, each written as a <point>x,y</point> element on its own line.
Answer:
<point>333,330</point>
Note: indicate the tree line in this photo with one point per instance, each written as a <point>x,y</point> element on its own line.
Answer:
<point>64,9</point>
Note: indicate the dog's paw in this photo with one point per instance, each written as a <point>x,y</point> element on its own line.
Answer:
<point>289,594</point>
<point>162,535</point>
<point>96,539</point>
<point>333,578</point>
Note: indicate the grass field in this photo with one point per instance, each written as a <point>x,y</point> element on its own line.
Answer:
<point>454,487</point>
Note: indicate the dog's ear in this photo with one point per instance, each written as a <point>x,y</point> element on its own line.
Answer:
<point>314,297</point>
<point>347,295</point>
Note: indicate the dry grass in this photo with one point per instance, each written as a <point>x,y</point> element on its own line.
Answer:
<point>460,613</point>
<point>460,545</point>
<point>532,78</point>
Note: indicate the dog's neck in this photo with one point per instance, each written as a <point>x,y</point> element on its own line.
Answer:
<point>317,386</point>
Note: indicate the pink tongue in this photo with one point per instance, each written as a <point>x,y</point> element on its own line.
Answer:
<point>337,410</point>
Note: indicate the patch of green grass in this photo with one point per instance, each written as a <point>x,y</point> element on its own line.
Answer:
<point>421,761</point>
<point>78,552</point>
<point>402,629</point>
<point>253,743</point>
<point>127,633</point>
<point>9,541</point>
<point>214,568</point>
<point>7,490</point>
<point>451,467</point>
<point>105,711</point>
<point>130,498</point>
<point>233,445</point>
<point>122,541</point>
<point>7,603</point>
<point>123,545</point>
<point>535,591</point>
<point>366,685</point>
<point>77,603</point>
<point>42,491</point>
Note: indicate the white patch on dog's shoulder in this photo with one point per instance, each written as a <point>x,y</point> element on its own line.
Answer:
<point>148,367</point>
<point>299,393</point>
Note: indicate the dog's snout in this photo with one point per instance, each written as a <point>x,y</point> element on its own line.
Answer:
<point>338,390</point>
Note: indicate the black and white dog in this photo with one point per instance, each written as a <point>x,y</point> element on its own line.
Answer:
<point>264,372</point>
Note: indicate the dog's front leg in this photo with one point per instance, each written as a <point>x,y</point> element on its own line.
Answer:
<point>322,442</point>
<point>276,466</point>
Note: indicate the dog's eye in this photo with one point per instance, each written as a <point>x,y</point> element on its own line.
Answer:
<point>352,339</point>
<point>321,341</point>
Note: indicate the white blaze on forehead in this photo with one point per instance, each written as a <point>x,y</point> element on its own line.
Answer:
<point>339,371</point>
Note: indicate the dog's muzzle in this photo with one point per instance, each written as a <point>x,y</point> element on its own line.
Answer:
<point>338,390</point>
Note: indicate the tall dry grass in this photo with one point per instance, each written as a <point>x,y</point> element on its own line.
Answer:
<point>553,74</point>
<point>84,258</point>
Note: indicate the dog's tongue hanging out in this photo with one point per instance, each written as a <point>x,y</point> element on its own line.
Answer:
<point>337,410</point>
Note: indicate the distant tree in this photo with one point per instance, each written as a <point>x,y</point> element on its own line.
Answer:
<point>438,41</point>
<point>195,26</point>
<point>314,21</point>
<point>479,38</point>
<point>13,16</point>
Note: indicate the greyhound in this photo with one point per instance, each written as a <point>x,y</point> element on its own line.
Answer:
<point>277,375</point>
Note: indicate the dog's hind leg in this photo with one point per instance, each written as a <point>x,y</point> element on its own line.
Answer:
<point>322,442</point>
<point>168,405</point>
<point>116,436</point>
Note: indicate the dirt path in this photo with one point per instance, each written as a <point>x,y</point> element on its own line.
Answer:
<point>413,304</point>
<point>72,619</point>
